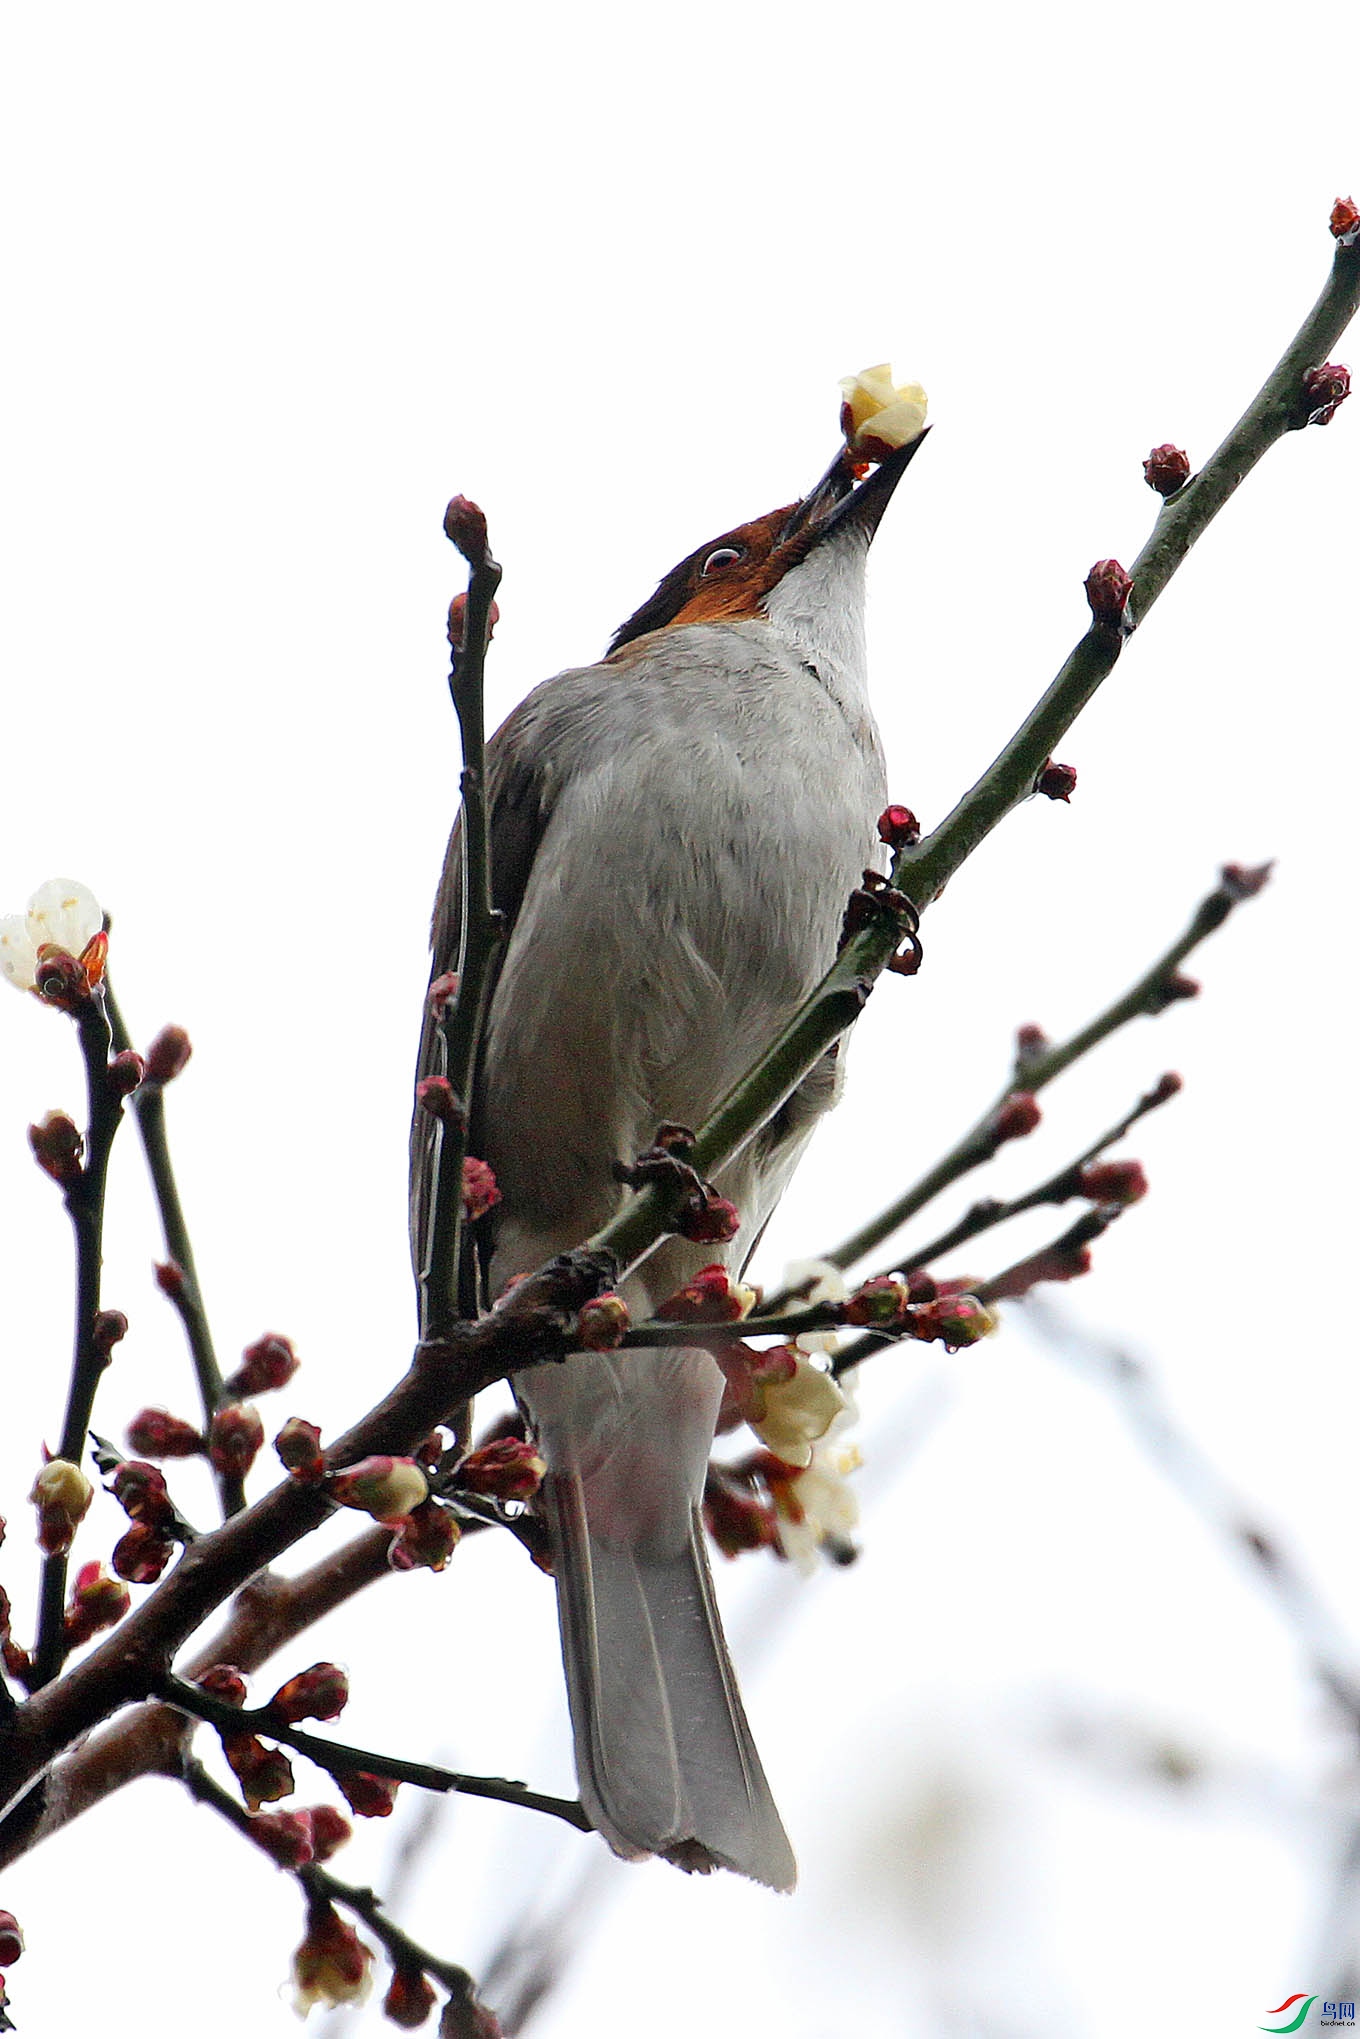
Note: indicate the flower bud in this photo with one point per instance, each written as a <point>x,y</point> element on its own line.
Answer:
<point>224,1682</point>
<point>410,1998</point>
<point>955,1321</point>
<point>298,1445</point>
<point>372,1798</point>
<point>1169,990</point>
<point>331,1965</point>
<point>1165,1088</point>
<point>898,828</point>
<point>1015,1117</point>
<point>1325,389</point>
<point>267,1364</point>
<point>736,1517</point>
<point>330,1831</point>
<point>466,2017</point>
<point>96,1602</point>
<point>110,1327</point>
<point>1345,221</point>
<point>62,1495</point>
<point>57,1146</point>
<point>61,979</point>
<point>234,1436</point>
<point>880,1301</point>
<point>437,1096</point>
<point>1030,1043</point>
<point>1113,1182</point>
<point>141,1492</point>
<point>465,527</point>
<point>154,1433</point>
<point>382,1487</point>
<point>11,1940</point>
<point>167,1055</point>
<point>425,1540</point>
<point>480,1193</point>
<point>1166,469</point>
<point>458,621</point>
<point>921,1287</point>
<point>126,1070</point>
<point>508,1470</point>
<point>1108,588</point>
<point>601,1323</point>
<point>263,1774</point>
<point>707,1218</point>
<point>712,1297</point>
<point>1056,782</point>
<point>170,1279</point>
<point>442,992</point>
<point>321,1693</point>
<point>287,1836</point>
<point>141,1554</point>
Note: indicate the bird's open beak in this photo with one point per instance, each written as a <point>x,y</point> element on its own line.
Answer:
<point>839,500</point>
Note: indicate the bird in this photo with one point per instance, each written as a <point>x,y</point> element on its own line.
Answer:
<point>674,834</point>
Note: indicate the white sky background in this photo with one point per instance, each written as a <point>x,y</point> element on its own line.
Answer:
<point>281,280</point>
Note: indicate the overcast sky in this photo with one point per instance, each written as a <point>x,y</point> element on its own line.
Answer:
<point>282,279</point>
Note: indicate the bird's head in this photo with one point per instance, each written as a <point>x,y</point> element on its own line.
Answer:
<point>800,568</point>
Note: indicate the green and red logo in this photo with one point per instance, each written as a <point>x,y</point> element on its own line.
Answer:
<point>1305,2005</point>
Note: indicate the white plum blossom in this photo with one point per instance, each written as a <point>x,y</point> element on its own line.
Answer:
<point>62,914</point>
<point>816,1281</point>
<point>878,416</point>
<point>818,1505</point>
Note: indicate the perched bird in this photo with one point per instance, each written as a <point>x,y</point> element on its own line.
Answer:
<point>675,833</point>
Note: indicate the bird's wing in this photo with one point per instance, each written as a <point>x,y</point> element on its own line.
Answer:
<point>520,799</point>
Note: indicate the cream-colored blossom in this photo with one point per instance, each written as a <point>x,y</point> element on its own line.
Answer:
<point>818,1505</point>
<point>63,912</point>
<point>877,414</point>
<point>798,1412</point>
<point>62,1485</point>
<point>816,1281</point>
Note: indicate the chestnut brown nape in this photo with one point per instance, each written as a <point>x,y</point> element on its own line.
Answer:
<point>735,590</point>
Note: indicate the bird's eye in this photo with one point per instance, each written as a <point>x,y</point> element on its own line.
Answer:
<point>721,556</point>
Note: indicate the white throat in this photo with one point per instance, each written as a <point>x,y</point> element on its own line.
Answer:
<point>818,610</point>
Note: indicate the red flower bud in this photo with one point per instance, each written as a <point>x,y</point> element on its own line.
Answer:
<point>458,621</point>
<point>331,1963</point>
<point>921,1287</point>
<point>1166,1087</point>
<point>57,1147</point>
<point>298,1445</point>
<point>126,1070</point>
<point>167,1055</point>
<point>322,1693</point>
<point>141,1554</point>
<point>508,1470</point>
<point>267,1364</point>
<point>410,1998</point>
<point>955,1320</point>
<point>140,1490</point>
<point>437,1096</point>
<point>1030,1043</point>
<point>443,990</point>
<point>480,1193</point>
<point>234,1436</point>
<point>1056,782</point>
<point>1108,588</point>
<point>62,979</point>
<point>707,1218</point>
<point>110,1327</point>
<point>154,1433</point>
<point>371,1797</point>
<point>1345,220</point>
<point>1170,989</point>
<point>330,1830</point>
<point>170,1279</point>
<point>736,1517</point>
<point>287,1836</point>
<point>465,527</point>
<point>1113,1182</point>
<point>11,1940</point>
<point>1015,1117</point>
<point>601,1323</point>
<point>880,1301</point>
<point>224,1682</point>
<point>710,1298</point>
<point>1325,389</point>
<point>1244,881</point>
<point>425,1539</point>
<point>263,1774</point>
<point>97,1602</point>
<point>1167,469</point>
<point>467,2018</point>
<point>898,828</point>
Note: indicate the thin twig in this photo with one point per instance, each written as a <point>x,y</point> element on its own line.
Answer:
<point>481,933</point>
<point>341,1759</point>
<point>85,1207</point>
<point>148,1107</point>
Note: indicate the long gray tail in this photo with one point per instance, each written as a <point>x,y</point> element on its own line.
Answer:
<point>664,1756</point>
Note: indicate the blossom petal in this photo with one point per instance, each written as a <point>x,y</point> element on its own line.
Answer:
<point>65,913</point>
<point>18,953</point>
